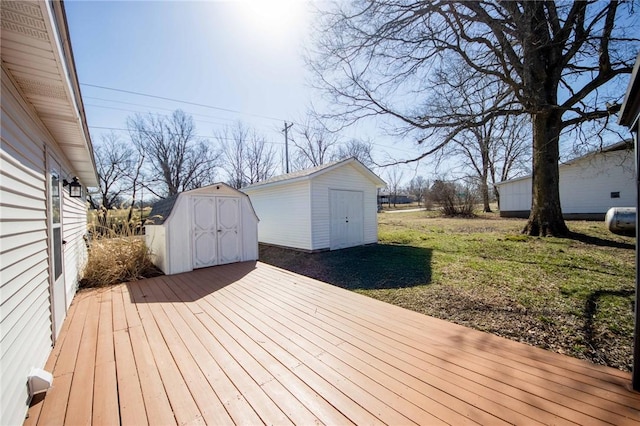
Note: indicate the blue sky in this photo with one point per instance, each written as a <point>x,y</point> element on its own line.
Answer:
<point>240,56</point>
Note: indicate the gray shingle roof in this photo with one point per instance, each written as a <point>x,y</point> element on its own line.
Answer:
<point>161,210</point>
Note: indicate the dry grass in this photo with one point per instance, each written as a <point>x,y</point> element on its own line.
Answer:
<point>116,255</point>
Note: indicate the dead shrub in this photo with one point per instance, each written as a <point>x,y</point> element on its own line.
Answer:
<point>456,200</point>
<point>116,256</point>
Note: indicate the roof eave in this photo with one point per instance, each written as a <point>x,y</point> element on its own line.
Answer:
<point>41,66</point>
<point>379,183</point>
<point>630,110</point>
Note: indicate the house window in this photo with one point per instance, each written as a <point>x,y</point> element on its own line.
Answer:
<point>615,194</point>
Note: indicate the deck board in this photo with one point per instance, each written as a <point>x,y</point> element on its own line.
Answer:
<point>454,354</point>
<point>416,354</point>
<point>249,343</point>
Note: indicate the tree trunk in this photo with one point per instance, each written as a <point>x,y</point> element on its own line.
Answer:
<point>546,213</point>
<point>485,197</point>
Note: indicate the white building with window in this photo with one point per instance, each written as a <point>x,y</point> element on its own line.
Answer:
<point>589,185</point>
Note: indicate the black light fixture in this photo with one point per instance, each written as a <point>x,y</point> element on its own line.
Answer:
<point>75,188</point>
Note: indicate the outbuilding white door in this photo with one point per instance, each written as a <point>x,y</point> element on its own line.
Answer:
<point>347,218</point>
<point>216,230</point>
<point>229,242</point>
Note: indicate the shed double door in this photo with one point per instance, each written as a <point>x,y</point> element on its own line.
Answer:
<point>216,230</point>
<point>347,218</point>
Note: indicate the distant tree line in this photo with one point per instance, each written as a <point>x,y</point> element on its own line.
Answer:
<point>163,155</point>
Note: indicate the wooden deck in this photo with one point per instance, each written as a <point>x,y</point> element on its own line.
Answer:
<point>251,344</point>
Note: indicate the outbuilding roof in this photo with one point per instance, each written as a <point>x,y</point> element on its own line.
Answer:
<point>316,171</point>
<point>161,210</point>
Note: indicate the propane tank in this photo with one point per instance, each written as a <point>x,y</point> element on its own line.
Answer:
<point>621,220</point>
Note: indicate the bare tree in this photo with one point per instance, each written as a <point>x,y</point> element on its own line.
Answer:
<point>491,146</point>
<point>234,145</point>
<point>178,160</point>
<point>314,143</point>
<point>135,175</point>
<point>114,161</point>
<point>563,63</point>
<point>418,188</point>
<point>247,156</point>
<point>261,159</point>
<point>394,183</point>
<point>358,149</point>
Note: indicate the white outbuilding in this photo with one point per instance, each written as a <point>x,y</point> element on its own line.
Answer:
<point>208,226</point>
<point>589,185</point>
<point>328,207</point>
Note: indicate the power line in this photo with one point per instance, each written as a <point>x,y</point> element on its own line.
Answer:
<point>203,106</point>
<point>202,136</point>
<point>181,101</point>
<point>131,110</point>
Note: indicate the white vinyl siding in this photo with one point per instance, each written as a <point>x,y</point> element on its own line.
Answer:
<point>74,228</point>
<point>25,321</point>
<point>155,238</point>
<point>515,195</point>
<point>585,185</point>
<point>346,178</point>
<point>179,238</point>
<point>295,211</point>
<point>25,312</point>
<point>284,213</point>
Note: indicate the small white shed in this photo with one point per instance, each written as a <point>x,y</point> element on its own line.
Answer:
<point>208,226</point>
<point>332,206</point>
<point>589,185</point>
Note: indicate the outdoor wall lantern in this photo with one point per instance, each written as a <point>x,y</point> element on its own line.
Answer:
<point>75,188</point>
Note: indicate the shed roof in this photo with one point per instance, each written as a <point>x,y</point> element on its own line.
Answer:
<point>161,210</point>
<point>316,171</point>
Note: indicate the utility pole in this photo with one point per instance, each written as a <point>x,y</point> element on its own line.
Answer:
<point>286,145</point>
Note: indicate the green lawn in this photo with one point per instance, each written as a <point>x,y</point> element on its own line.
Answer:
<point>573,295</point>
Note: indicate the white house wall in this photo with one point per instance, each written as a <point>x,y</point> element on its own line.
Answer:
<point>343,178</point>
<point>25,315</point>
<point>585,186</point>
<point>284,214</point>
<point>74,216</point>
<point>515,196</point>
<point>249,237</point>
